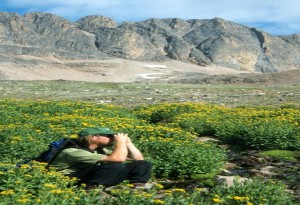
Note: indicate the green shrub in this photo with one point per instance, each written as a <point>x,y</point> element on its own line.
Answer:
<point>175,159</point>
<point>261,134</point>
<point>254,191</point>
<point>165,112</point>
<point>201,124</point>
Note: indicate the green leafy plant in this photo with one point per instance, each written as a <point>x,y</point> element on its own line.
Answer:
<point>254,191</point>
<point>175,159</point>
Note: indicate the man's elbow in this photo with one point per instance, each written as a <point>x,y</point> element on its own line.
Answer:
<point>139,158</point>
<point>113,159</point>
<point>118,159</point>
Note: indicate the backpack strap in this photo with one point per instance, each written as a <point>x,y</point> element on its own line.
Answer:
<point>58,146</point>
<point>54,149</point>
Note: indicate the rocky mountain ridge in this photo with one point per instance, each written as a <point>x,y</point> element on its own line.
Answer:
<point>199,42</point>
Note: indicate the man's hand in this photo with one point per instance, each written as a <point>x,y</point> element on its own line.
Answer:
<point>120,137</point>
<point>120,151</point>
<point>128,140</point>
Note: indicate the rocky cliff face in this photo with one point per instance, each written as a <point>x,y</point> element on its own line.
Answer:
<point>44,34</point>
<point>201,42</point>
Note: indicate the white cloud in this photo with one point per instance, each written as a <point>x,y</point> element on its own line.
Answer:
<point>274,16</point>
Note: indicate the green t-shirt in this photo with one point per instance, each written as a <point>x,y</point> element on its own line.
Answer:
<point>72,161</point>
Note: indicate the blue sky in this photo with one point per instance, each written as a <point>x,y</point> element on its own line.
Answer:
<point>277,17</point>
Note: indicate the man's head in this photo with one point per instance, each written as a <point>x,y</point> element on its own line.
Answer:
<point>96,135</point>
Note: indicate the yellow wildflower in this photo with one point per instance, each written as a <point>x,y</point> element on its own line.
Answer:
<point>24,200</point>
<point>179,190</point>
<point>159,186</point>
<point>147,195</point>
<point>53,186</point>
<point>25,166</point>
<point>73,136</point>
<point>16,138</point>
<point>238,198</point>
<point>85,124</point>
<point>157,201</point>
<point>241,198</point>
<point>217,200</point>
<point>56,191</point>
<point>7,192</point>
<point>198,189</point>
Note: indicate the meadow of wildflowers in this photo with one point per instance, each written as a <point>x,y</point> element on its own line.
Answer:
<point>165,133</point>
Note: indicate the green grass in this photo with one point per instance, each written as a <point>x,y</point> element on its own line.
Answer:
<point>281,154</point>
<point>150,93</point>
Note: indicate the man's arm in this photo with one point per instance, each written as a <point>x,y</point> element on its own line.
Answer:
<point>120,152</point>
<point>133,152</point>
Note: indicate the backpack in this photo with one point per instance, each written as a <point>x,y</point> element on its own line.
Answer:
<point>54,148</point>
